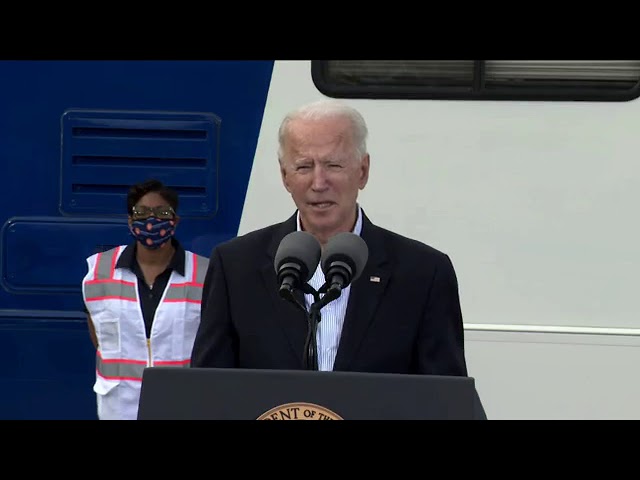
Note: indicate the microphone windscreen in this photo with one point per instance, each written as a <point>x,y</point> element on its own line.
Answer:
<point>349,247</point>
<point>301,248</point>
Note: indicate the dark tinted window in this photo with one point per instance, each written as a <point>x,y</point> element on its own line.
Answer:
<point>595,80</point>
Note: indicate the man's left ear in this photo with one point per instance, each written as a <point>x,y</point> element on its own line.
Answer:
<point>176,220</point>
<point>364,171</point>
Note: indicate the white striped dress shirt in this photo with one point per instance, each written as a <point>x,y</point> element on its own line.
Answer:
<point>332,315</point>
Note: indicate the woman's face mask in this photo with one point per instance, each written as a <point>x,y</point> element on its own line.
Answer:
<point>153,230</point>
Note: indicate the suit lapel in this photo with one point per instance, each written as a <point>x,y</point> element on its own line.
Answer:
<point>365,294</point>
<point>291,319</point>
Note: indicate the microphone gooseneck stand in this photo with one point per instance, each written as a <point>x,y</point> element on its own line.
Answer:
<point>310,356</point>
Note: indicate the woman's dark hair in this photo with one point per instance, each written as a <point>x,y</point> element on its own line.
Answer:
<point>136,192</point>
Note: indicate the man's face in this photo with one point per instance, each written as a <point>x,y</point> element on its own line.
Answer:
<point>322,172</point>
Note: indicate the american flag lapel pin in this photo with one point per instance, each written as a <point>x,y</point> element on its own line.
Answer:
<point>374,279</point>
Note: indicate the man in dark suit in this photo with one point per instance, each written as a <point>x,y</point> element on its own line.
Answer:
<point>401,315</point>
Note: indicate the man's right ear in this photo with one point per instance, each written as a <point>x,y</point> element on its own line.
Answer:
<point>283,175</point>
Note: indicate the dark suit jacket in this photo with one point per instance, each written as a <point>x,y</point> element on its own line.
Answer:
<point>408,322</point>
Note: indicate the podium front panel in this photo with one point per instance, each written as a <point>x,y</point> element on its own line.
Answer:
<point>251,394</point>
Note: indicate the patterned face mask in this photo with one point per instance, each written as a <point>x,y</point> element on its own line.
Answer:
<point>153,232</point>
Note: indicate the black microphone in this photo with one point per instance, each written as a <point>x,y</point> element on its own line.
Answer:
<point>296,261</point>
<point>342,262</point>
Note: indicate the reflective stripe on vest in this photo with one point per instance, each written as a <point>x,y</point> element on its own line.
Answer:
<point>105,287</point>
<point>189,291</point>
<point>124,369</point>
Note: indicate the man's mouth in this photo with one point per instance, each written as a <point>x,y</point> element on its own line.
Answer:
<point>321,205</point>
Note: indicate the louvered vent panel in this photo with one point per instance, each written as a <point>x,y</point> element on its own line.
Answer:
<point>105,152</point>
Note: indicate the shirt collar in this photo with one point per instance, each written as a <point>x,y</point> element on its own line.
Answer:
<point>177,262</point>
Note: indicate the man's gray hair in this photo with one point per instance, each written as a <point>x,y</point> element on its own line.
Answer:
<point>326,109</point>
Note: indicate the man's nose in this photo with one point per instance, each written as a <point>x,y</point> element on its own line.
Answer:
<point>319,178</point>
